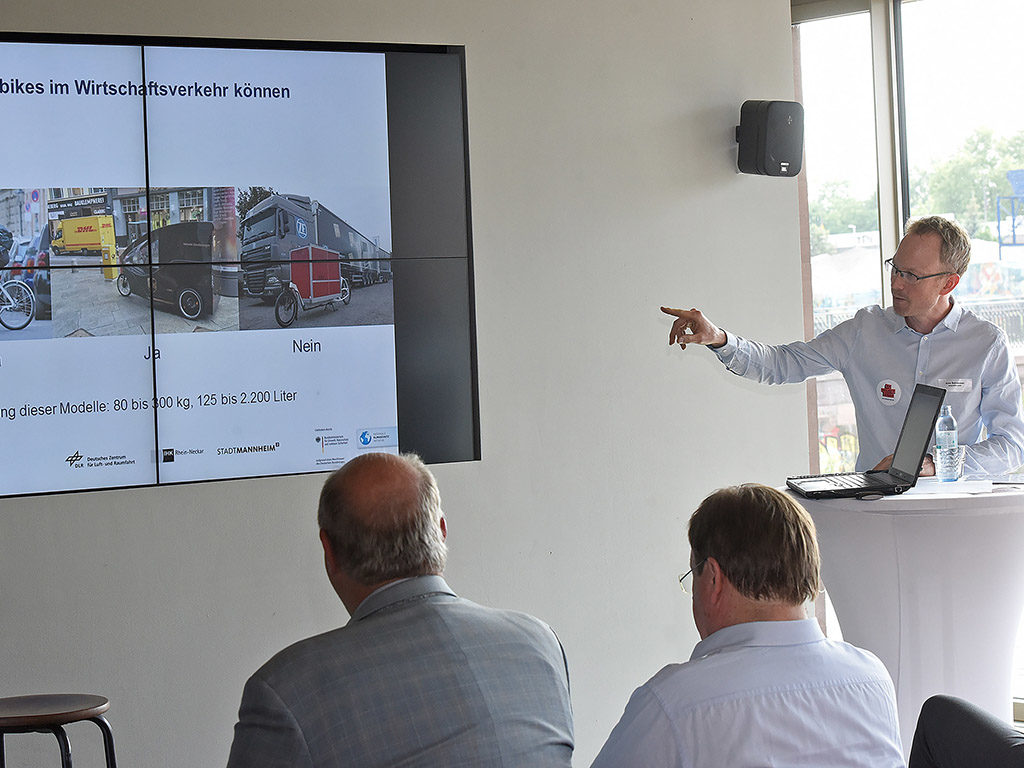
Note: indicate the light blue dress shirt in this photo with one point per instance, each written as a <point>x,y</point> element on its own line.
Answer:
<point>766,693</point>
<point>882,358</point>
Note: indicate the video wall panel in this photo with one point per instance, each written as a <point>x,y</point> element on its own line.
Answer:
<point>204,234</point>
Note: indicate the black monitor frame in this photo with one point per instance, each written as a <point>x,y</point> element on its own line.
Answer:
<point>432,252</point>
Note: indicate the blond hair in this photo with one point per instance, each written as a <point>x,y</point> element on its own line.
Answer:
<point>955,250</point>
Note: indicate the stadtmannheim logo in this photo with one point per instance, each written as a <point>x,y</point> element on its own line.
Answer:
<point>74,458</point>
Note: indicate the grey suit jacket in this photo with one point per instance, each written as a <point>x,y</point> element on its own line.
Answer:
<point>418,677</point>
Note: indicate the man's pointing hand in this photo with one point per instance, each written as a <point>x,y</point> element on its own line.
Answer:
<point>691,327</point>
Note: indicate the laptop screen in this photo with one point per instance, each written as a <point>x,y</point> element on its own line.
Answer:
<point>917,429</point>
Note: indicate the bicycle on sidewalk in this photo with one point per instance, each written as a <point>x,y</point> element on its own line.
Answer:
<point>17,301</point>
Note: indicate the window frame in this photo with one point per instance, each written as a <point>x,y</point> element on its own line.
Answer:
<point>890,151</point>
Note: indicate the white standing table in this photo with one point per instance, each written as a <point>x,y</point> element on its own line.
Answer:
<point>932,584</point>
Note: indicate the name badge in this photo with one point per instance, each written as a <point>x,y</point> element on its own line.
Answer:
<point>957,385</point>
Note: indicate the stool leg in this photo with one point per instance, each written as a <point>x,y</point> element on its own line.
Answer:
<point>108,740</point>
<point>65,746</point>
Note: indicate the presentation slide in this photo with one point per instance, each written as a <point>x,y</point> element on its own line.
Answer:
<point>198,281</point>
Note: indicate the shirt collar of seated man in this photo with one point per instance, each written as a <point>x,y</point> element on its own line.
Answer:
<point>754,555</point>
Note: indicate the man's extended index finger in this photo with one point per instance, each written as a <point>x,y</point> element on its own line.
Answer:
<point>674,335</point>
<point>687,313</point>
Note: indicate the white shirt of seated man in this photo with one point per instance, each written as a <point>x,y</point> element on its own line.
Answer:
<point>763,687</point>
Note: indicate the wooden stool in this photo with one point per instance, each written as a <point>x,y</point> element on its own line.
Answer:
<point>49,713</point>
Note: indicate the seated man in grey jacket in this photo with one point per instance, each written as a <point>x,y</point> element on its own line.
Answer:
<point>418,676</point>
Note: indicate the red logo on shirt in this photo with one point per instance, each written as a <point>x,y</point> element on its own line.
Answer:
<point>888,391</point>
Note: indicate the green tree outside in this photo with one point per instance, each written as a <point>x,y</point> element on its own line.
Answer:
<point>965,185</point>
<point>838,211</point>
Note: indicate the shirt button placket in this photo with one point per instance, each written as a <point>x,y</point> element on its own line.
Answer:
<point>922,360</point>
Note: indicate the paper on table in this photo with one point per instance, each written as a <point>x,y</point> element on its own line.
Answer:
<point>971,484</point>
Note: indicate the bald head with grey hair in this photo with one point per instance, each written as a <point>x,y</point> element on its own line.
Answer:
<point>380,520</point>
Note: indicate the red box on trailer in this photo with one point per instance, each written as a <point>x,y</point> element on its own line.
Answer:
<point>316,271</point>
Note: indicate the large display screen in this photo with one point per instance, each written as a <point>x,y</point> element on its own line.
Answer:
<point>228,259</point>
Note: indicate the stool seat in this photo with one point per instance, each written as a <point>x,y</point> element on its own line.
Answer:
<point>49,713</point>
<point>46,709</point>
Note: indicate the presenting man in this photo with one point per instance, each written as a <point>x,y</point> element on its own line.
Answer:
<point>925,337</point>
<point>763,686</point>
<point>418,676</point>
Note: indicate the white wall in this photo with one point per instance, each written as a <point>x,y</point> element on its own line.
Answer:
<point>603,185</point>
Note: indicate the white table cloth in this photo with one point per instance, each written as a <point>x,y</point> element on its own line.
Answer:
<point>933,584</point>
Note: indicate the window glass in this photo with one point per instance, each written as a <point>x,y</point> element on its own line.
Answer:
<point>190,205</point>
<point>264,226</point>
<point>159,210</point>
<point>965,151</point>
<point>965,142</point>
<point>135,218</point>
<point>842,182</point>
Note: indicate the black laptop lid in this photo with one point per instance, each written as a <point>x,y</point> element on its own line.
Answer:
<point>917,431</point>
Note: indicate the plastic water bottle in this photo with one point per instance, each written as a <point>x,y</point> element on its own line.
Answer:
<point>947,453</point>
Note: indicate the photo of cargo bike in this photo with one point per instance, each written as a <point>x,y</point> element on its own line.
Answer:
<point>316,280</point>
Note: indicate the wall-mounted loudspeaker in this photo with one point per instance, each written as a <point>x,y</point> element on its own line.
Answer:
<point>771,138</point>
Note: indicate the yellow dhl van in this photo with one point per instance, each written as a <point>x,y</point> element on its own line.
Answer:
<point>88,235</point>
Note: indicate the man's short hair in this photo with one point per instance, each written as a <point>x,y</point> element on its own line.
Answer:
<point>399,538</point>
<point>955,251</point>
<point>763,540</point>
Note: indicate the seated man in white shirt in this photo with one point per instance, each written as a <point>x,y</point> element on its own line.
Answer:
<point>764,686</point>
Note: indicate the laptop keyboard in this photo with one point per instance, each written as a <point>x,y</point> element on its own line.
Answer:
<point>849,481</point>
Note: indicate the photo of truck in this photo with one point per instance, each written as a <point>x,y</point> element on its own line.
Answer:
<point>87,236</point>
<point>276,226</point>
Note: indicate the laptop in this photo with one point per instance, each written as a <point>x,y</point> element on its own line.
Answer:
<point>911,447</point>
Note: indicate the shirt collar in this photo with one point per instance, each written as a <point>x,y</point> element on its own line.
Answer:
<point>951,320</point>
<point>398,592</point>
<point>759,633</point>
<point>897,322</point>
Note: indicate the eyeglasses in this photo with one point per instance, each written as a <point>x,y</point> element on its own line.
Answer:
<point>910,277</point>
<point>686,579</point>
